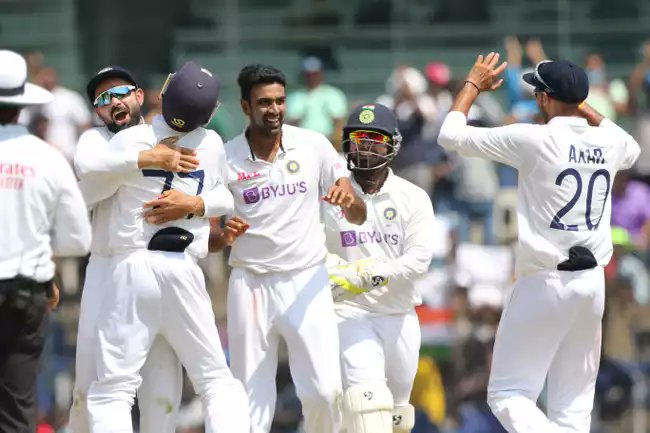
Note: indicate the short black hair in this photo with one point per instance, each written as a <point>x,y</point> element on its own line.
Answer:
<point>252,75</point>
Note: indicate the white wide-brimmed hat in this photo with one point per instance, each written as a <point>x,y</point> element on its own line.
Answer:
<point>14,88</point>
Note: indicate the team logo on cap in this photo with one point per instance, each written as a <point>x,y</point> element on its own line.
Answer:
<point>390,213</point>
<point>178,122</point>
<point>293,167</point>
<point>366,116</point>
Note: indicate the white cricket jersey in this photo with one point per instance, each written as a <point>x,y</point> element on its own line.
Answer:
<point>42,213</point>
<point>566,170</point>
<point>92,142</point>
<point>280,200</point>
<point>131,187</point>
<point>398,235</point>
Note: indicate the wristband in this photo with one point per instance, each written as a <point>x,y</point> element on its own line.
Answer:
<point>477,89</point>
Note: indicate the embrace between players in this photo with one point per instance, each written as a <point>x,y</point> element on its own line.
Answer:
<point>325,252</point>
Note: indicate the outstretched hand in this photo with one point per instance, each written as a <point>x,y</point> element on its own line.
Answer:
<point>339,195</point>
<point>485,72</point>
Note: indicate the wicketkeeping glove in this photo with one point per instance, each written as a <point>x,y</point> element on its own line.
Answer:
<point>348,280</point>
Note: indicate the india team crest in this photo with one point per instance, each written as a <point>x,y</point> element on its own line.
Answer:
<point>293,167</point>
<point>366,116</point>
<point>390,213</point>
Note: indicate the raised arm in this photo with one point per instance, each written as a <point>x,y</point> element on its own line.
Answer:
<point>630,149</point>
<point>504,144</point>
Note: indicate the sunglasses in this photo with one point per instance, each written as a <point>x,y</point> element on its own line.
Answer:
<point>360,136</point>
<point>539,77</point>
<point>119,92</point>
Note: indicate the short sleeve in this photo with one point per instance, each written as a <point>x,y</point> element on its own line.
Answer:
<point>337,103</point>
<point>296,105</point>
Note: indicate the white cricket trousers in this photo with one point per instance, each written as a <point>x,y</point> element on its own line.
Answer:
<point>162,378</point>
<point>551,325</point>
<point>160,293</point>
<point>379,349</point>
<point>296,306</point>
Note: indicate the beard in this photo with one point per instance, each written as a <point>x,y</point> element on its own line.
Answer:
<point>135,117</point>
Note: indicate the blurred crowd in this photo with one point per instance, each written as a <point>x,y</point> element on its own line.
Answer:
<point>475,206</point>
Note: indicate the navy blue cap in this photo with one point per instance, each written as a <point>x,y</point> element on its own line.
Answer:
<point>103,75</point>
<point>189,97</point>
<point>374,117</point>
<point>561,79</point>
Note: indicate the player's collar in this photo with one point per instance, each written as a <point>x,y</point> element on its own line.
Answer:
<point>286,144</point>
<point>568,120</point>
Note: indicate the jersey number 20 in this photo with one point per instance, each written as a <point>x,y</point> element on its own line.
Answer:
<point>556,223</point>
<point>169,178</point>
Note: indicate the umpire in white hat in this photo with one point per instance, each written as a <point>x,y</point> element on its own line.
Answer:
<point>42,215</point>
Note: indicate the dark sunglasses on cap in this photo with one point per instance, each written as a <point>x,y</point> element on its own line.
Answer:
<point>540,80</point>
<point>119,92</point>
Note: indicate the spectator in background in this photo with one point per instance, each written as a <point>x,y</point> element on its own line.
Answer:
<point>521,98</point>
<point>35,63</point>
<point>472,362</point>
<point>621,312</point>
<point>626,265</point>
<point>639,83</point>
<point>67,116</point>
<point>319,106</point>
<point>631,208</point>
<point>439,82</point>
<point>476,183</point>
<point>467,186</point>
<point>152,104</point>
<point>414,108</point>
<point>607,97</point>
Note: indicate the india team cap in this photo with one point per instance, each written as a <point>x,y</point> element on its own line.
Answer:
<point>561,79</point>
<point>105,74</point>
<point>374,117</point>
<point>189,97</point>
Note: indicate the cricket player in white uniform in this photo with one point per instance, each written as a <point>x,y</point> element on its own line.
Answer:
<point>551,325</point>
<point>117,99</point>
<point>372,270</point>
<point>158,288</point>
<point>279,286</point>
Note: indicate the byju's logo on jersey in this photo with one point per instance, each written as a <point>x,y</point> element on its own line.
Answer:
<point>351,238</point>
<point>256,194</point>
<point>251,195</point>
